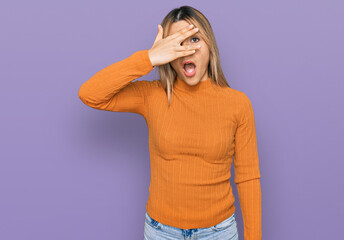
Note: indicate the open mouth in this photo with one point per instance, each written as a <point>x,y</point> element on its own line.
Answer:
<point>189,68</point>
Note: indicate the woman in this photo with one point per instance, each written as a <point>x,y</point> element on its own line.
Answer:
<point>196,123</point>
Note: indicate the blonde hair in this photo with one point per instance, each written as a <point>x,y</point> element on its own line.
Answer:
<point>193,16</point>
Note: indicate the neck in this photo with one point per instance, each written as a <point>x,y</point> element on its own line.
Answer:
<point>182,85</point>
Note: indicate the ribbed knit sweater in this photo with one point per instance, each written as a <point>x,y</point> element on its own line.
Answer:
<point>191,143</point>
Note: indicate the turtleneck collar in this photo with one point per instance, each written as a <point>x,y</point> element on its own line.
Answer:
<point>180,84</point>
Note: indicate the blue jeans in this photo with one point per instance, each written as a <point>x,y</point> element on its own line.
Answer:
<point>225,230</point>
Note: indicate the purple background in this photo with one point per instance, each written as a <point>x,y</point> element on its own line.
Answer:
<point>72,172</point>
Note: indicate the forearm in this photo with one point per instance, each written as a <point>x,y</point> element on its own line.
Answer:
<point>250,202</point>
<point>103,85</point>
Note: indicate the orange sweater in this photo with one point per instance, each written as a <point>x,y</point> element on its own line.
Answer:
<point>191,144</point>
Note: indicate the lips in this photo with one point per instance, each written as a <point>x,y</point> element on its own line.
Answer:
<point>188,61</point>
<point>189,68</point>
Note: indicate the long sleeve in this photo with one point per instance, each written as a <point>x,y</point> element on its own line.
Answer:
<point>247,172</point>
<point>251,205</point>
<point>112,88</point>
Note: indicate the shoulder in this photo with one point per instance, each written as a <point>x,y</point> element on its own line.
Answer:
<point>238,97</point>
<point>241,104</point>
<point>156,83</point>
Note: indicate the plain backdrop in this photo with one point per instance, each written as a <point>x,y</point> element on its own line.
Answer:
<point>68,171</point>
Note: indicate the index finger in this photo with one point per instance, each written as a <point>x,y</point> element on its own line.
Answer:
<point>183,34</point>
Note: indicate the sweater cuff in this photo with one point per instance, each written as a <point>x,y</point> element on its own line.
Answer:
<point>146,62</point>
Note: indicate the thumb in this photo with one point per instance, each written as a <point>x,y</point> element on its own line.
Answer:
<point>160,33</point>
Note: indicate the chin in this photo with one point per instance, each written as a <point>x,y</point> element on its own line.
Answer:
<point>193,81</point>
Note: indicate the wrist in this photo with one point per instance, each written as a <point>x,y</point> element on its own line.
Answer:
<point>150,58</point>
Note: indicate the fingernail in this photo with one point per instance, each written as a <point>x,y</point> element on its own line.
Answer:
<point>191,26</point>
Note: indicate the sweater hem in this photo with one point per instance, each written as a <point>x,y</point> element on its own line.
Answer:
<point>201,224</point>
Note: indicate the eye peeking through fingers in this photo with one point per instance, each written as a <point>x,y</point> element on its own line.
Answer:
<point>192,40</point>
<point>196,38</point>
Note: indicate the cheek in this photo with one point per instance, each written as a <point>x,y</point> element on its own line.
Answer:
<point>204,49</point>
<point>204,57</point>
<point>174,65</point>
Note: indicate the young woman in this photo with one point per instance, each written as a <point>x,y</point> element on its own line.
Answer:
<point>196,123</point>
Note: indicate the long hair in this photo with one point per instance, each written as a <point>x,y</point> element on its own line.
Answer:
<point>192,16</point>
